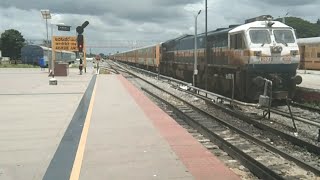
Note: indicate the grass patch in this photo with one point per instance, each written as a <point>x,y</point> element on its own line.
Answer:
<point>314,104</point>
<point>18,66</point>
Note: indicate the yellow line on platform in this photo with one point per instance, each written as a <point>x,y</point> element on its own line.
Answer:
<point>76,169</point>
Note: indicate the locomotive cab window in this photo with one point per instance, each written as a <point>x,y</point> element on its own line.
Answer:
<point>260,36</point>
<point>237,41</point>
<point>284,36</point>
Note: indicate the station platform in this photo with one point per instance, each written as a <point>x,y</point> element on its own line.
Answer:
<point>131,138</point>
<point>34,117</point>
<point>93,127</point>
<point>310,79</point>
<point>309,90</point>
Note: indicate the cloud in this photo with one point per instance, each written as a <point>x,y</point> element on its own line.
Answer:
<point>146,21</point>
<point>288,3</point>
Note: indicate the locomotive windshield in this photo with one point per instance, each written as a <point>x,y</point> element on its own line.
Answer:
<point>260,36</point>
<point>283,36</point>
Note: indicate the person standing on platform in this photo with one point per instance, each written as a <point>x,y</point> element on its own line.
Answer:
<point>97,62</point>
<point>80,66</point>
<point>97,66</point>
<point>41,64</point>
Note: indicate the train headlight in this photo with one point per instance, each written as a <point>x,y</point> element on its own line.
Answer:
<point>257,53</point>
<point>294,52</point>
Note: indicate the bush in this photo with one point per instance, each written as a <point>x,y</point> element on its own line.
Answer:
<point>18,66</point>
<point>74,66</point>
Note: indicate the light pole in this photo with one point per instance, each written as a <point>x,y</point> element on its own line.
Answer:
<point>284,18</point>
<point>206,46</point>
<point>46,15</point>
<point>195,69</point>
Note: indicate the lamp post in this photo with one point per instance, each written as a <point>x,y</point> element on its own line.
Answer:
<point>206,46</point>
<point>195,69</point>
<point>46,15</point>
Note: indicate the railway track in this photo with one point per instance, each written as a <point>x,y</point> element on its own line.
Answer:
<point>289,135</point>
<point>307,107</point>
<point>233,164</point>
<point>304,142</point>
<point>110,67</point>
<point>254,153</point>
<point>255,143</point>
<point>312,122</point>
<point>260,124</point>
<point>308,117</point>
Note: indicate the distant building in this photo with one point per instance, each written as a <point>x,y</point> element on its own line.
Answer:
<point>4,60</point>
<point>34,54</point>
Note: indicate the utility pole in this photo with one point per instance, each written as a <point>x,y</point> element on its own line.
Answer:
<point>195,67</point>
<point>284,18</point>
<point>47,15</point>
<point>207,52</point>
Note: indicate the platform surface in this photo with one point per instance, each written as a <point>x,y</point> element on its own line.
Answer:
<point>34,117</point>
<point>310,79</point>
<point>126,135</point>
<point>131,138</point>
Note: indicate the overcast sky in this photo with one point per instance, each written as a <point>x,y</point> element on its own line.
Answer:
<point>145,21</point>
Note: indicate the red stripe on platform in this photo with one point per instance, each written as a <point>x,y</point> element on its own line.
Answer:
<point>201,163</point>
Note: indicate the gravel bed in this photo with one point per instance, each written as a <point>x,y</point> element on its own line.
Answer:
<point>306,132</point>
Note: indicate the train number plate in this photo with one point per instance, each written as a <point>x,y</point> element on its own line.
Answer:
<point>266,59</point>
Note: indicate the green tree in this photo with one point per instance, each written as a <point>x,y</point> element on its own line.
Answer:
<point>318,22</point>
<point>11,43</point>
<point>303,28</point>
<point>102,55</point>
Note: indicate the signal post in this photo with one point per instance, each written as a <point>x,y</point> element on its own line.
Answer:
<point>80,42</point>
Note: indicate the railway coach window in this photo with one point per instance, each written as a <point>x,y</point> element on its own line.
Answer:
<point>260,36</point>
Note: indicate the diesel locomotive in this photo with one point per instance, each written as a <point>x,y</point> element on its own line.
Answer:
<point>244,61</point>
